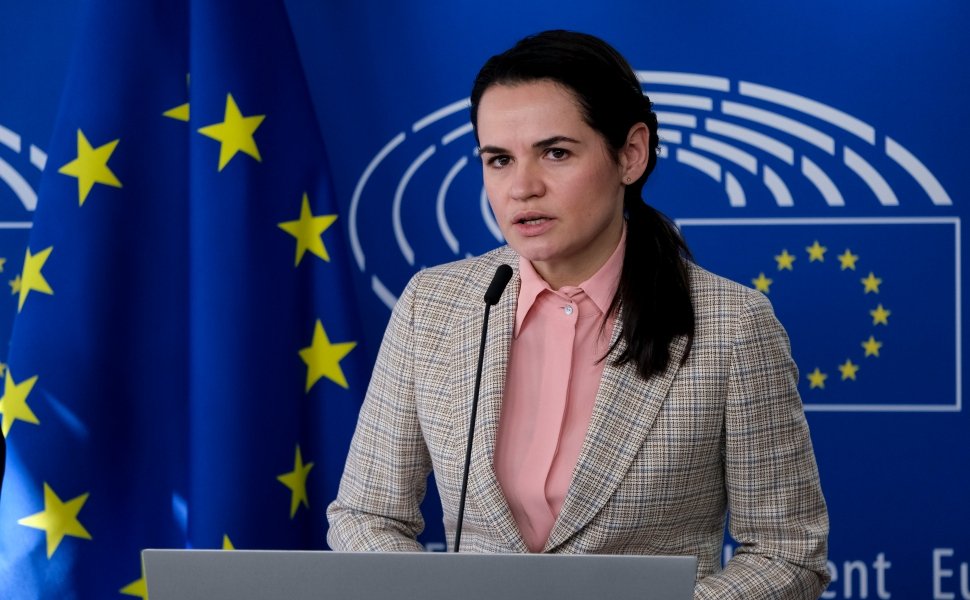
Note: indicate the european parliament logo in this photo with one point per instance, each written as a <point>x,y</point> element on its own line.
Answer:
<point>798,199</point>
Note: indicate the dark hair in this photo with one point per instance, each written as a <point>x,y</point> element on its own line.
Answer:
<point>653,296</point>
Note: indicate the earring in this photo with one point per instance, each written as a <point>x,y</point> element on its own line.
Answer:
<point>627,180</point>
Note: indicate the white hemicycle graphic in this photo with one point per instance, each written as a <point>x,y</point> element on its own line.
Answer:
<point>17,183</point>
<point>741,134</point>
<point>782,150</point>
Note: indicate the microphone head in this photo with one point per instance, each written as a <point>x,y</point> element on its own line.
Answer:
<point>501,279</point>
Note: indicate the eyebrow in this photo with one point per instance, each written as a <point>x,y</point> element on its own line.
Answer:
<point>541,145</point>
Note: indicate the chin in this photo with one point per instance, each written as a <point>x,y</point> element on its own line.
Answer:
<point>540,248</point>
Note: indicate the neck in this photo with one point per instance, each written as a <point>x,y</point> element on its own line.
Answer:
<point>572,273</point>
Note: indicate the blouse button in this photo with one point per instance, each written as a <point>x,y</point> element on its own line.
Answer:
<point>568,310</point>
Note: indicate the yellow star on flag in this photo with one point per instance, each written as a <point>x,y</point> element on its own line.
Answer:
<point>817,379</point>
<point>91,166</point>
<point>848,260</point>
<point>32,279</point>
<point>848,369</point>
<point>785,260</point>
<point>3,261</point>
<point>816,252</point>
<point>137,588</point>
<point>180,112</point>
<point>872,346</point>
<point>308,231</point>
<point>296,481</point>
<point>323,358</point>
<point>14,285</point>
<point>762,283</point>
<point>13,403</point>
<point>58,519</point>
<point>227,543</point>
<point>880,316</point>
<point>871,283</point>
<point>235,133</point>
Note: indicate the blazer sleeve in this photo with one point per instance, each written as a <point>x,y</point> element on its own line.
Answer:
<point>378,503</point>
<point>777,513</point>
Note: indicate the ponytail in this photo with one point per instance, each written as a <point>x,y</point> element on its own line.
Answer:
<point>653,296</point>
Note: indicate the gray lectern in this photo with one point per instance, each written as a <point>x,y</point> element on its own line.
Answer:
<point>263,574</point>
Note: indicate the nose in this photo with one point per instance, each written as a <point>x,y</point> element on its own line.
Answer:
<point>526,181</point>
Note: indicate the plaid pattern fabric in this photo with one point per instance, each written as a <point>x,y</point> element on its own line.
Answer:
<point>663,462</point>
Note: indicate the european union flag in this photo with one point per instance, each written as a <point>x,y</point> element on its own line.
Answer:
<point>871,304</point>
<point>183,370</point>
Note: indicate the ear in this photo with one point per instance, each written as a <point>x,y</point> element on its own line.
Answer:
<point>635,153</point>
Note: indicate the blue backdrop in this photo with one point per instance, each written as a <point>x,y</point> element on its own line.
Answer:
<point>812,150</point>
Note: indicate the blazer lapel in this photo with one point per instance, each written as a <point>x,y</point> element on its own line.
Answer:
<point>626,407</point>
<point>484,490</point>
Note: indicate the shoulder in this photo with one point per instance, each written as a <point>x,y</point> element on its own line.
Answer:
<point>706,283</point>
<point>460,284</point>
<point>712,291</point>
<point>721,305</point>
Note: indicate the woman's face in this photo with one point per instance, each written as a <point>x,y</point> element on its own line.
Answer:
<point>556,191</point>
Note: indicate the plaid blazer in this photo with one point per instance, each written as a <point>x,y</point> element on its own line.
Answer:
<point>662,464</point>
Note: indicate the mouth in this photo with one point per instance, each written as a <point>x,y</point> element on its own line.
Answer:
<point>530,217</point>
<point>532,221</point>
<point>532,224</point>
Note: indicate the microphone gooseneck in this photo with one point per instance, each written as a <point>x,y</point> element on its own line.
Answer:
<point>501,279</point>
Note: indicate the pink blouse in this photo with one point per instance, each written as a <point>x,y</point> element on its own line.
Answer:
<point>553,374</point>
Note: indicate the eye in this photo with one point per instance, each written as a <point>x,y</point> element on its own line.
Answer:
<point>557,153</point>
<point>498,161</point>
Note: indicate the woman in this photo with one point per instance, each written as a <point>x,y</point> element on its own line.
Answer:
<point>630,399</point>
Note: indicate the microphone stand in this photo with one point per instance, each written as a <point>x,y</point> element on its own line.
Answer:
<point>495,289</point>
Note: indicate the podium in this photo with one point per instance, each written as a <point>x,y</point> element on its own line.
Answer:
<point>301,575</point>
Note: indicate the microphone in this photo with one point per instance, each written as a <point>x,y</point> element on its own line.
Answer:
<point>501,279</point>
